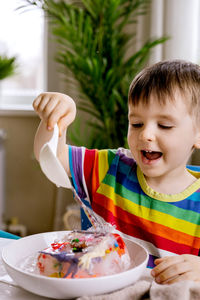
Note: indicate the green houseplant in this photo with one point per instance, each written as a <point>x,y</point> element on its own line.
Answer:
<point>7,66</point>
<point>93,46</point>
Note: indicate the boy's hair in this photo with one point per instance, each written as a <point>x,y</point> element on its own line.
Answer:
<point>165,78</point>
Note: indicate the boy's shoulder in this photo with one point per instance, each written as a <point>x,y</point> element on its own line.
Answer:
<point>124,152</point>
<point>125,156</point>
<point>120,154</point>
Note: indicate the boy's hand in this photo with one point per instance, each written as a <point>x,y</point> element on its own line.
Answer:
<point>172,269</point>
<point>55,108</point>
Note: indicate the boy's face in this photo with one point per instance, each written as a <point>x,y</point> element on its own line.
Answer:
<point>161,137</point>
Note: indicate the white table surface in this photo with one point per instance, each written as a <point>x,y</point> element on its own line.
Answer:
<point>8,291</point>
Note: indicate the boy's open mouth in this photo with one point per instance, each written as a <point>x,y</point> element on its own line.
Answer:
<point>151,155</point>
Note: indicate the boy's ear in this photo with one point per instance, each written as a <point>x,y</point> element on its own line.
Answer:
<point>197,143</point>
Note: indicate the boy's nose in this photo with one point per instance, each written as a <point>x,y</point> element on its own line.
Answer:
<point>147,134</point>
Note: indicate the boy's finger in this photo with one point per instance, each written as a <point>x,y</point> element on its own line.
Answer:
<point>63,115</point>
<point>185,276</point>
<point>48,108</point>
<point>64,122</point>
<point>164,263</point>
<point>56,115</point>
<point>173,271</point>
<point>43,103</point>
<point>37,101</point>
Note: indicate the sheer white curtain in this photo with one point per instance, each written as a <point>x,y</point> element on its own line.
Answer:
<point>180,21</point>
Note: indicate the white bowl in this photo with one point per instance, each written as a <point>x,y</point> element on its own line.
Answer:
<point>60,288</point>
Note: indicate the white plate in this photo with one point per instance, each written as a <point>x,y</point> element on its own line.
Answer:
<point>59,288</point>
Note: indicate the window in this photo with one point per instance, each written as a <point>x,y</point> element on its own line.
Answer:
<point>22,35</point>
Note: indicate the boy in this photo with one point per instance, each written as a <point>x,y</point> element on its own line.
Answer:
<point>146,192</point>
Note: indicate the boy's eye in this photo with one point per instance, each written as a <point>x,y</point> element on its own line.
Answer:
<point>165,126</point>
<point>137,125</point>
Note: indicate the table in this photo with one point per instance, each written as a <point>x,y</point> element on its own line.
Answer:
<point>8,291</point>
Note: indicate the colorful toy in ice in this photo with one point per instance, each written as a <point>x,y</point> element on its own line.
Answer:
<point>83,254</point>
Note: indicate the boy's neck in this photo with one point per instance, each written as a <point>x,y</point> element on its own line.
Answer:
<point>170,185</point>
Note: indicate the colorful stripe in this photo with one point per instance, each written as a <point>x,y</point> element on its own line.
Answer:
<point>150,263</point>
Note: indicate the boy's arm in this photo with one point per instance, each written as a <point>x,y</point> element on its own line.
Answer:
<point>54,108</point>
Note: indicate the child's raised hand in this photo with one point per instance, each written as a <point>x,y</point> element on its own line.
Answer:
<point>172,269</point>
<point>55,108</point>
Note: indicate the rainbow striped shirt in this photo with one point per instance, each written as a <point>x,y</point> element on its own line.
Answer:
<point>116,188</point>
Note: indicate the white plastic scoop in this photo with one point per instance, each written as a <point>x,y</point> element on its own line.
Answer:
<point>50,164</point>
<point>54,171</point>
